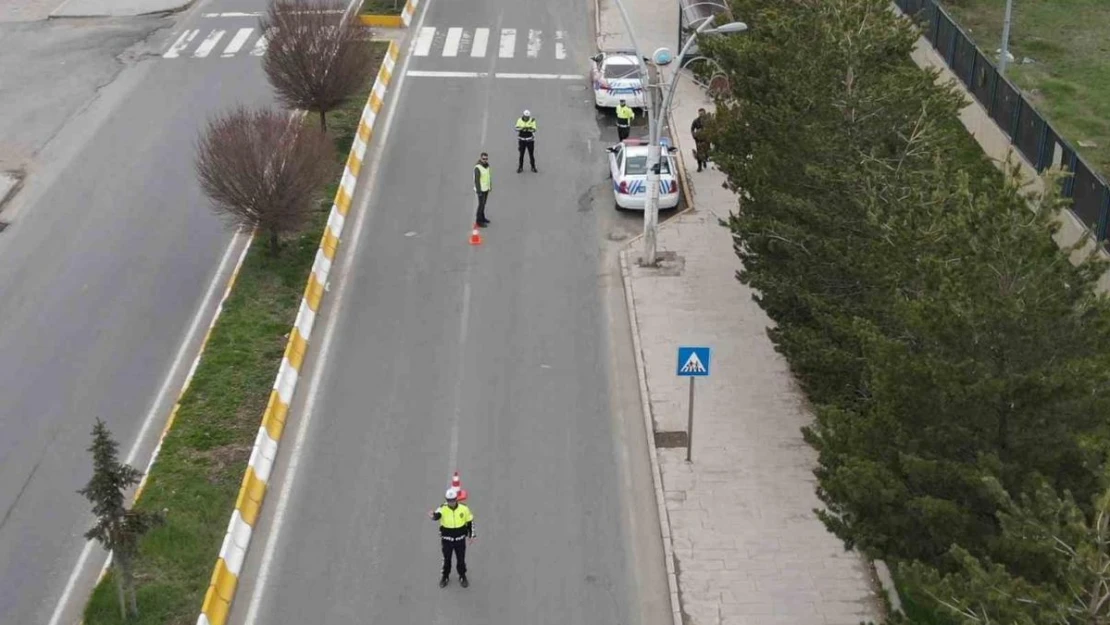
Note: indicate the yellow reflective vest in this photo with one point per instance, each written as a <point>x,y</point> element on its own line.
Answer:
<point>482,178</point>
<point>625,115</point>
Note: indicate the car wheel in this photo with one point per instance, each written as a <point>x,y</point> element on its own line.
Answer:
<point>620,209</point>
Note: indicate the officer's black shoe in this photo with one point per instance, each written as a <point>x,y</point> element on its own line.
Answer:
<point>463,581</point>
<point>535,171</point>
<point>519,169</point>
<point>443,582</point>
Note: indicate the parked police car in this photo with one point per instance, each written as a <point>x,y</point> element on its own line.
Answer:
<point>628,168</point>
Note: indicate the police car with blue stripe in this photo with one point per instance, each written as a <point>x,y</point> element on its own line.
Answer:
<point>628,168</point>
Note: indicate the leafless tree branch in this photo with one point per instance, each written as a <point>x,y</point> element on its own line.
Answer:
<point>261,171</point>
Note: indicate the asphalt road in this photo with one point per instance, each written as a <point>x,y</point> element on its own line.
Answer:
<point>501,360</point>
<point>111,251</point>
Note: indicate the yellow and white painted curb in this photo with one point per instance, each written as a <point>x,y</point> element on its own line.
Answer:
<point>225,576</point>
<point>408,12</point>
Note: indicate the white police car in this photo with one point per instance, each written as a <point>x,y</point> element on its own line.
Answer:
<point>628,168</point>
<point>617,76</point>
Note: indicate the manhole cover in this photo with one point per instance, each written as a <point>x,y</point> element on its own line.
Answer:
<point>3,226</point>
<point>670,440</point>
<point>616,236</point>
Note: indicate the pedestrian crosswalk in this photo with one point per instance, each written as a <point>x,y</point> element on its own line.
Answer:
<point>451,42</point>
<point>454,42</point>
<point>217,43</point>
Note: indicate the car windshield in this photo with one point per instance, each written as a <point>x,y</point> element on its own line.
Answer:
<point>637,166</point>
<point>622,72</point>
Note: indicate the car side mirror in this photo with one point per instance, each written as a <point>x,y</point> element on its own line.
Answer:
<point>597,58</point>
<point>612,149</point>
<point>672,149</point>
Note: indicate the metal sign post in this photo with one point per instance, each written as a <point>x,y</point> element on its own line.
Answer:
<point>693,362</point>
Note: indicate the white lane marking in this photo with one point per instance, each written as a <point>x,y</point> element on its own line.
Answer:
<point>429,74</point>
<point>424,41</point>
<point>182,42</point>
<point>508,43</point>
<point>451,46</point>
<point>234,14</point>
<point>237,42</point>
<point>481,41</point>
<point>542,76</point>
<point>208,44</point>
<point>460,374</point>
<point>260,46</point>
<point>560,46</point>
<point>207,304</point>
<point>260,13</point>
<point>535,41</point>
<point>325,350</point>
<point>439,74</point>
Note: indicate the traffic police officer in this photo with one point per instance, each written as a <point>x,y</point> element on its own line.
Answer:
<point>482,186</point>
<point>456,527</point>
<point>625,115</point>
<point>526,140</point>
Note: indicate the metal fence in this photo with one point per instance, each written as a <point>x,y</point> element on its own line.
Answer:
<point>1030,133</point>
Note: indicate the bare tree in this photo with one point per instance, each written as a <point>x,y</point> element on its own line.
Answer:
<point>315,56</point>
<point>261,171</point>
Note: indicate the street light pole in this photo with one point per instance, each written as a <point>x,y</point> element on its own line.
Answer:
<point>653,149</point>
<point>1004,57</point>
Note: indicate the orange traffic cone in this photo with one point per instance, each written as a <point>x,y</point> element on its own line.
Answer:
<point>456,483</point>
<point>475,236</point>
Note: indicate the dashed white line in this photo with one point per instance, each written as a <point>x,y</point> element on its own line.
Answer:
<point>237,42</point>
<point>508,43</point>
<point>424,41</point>
<point>182,42</point>
<point>208,44</point>
<point>535,41</point>
<point>451,46</point>
<point>560,47</point>
<point>481,41</point>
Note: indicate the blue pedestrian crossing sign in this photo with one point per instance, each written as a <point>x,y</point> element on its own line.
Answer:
<point>693,362</point>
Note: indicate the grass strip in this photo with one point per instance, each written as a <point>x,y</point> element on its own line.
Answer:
<point>199,470</point>
<point>382,7</point>
<point>1067,77</point>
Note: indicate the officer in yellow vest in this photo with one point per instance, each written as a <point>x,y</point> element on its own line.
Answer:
<point>456,528</point>
<point>482,186</point>
<point>526,140</point>
<point>625,115</point>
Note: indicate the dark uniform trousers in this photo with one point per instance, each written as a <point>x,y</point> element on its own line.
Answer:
<point>454,545</point>
<point>523,146</point>
<point>482,196</point>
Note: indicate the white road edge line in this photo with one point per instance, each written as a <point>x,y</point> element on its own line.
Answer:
<point>355,237</point>
<point>190,337</point>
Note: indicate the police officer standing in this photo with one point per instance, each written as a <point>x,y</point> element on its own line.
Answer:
<point>526,140</point>
<point>482,186</point>
<point>625,115</point>
<point>456,527</point>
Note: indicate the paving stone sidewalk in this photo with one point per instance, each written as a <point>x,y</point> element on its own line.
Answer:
<point>749,550</point>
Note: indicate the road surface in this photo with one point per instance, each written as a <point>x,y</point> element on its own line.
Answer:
<point>497,360</point>
<point>111,251</point>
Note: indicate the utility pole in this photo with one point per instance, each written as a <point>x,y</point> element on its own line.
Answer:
<point>1004,58</point>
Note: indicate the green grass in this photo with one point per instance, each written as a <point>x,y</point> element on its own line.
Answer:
<point>382,7</point>
<point>203,458</point>
<point>1069,80</point>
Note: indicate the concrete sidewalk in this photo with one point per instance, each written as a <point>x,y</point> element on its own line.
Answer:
<point>748,549</point>
<point>118,8</point>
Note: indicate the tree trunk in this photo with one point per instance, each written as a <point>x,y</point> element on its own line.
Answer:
<point>275,242</point>
<point>129,575</point>
<point>120,593</point>
<point>323,121</point>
